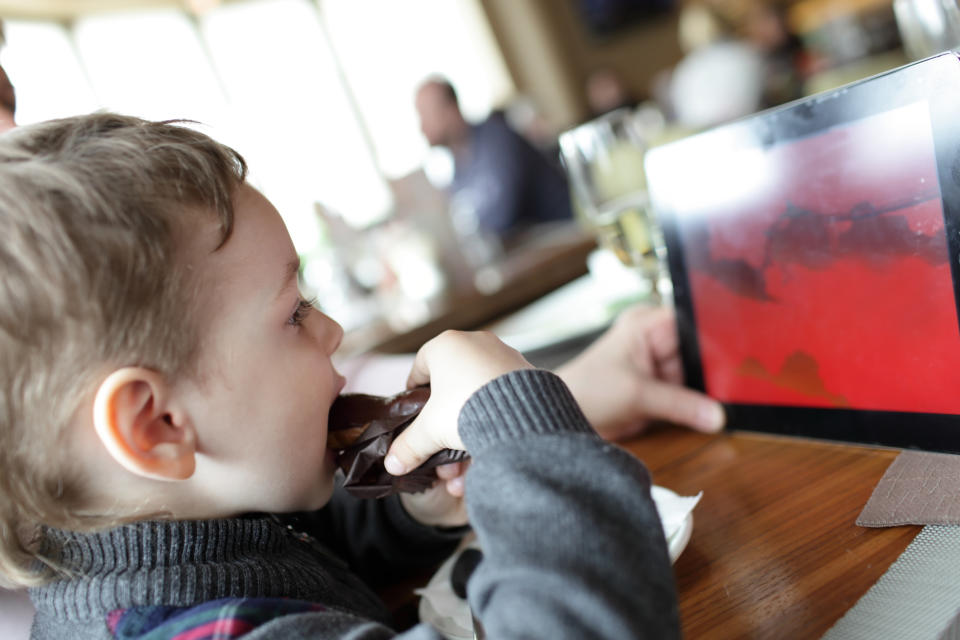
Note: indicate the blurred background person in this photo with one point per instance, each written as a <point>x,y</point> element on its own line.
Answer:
<point>500,180</point>
<point>765,27</point>
<point>606,92</point>
<point>740,57</point>
<point>720,77</point>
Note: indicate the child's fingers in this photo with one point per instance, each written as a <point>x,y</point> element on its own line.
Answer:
<point>412,447</point>
<point>449,471</point>
<point>419,371</point>
<point>456,487</point>
<point>456,484</point>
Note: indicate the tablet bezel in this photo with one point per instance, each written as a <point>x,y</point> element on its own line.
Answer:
<point>935,81</point>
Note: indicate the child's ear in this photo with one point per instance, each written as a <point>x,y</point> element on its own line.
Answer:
<point>142,430</point>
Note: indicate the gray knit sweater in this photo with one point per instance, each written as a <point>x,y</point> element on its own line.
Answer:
<point>572,544</point>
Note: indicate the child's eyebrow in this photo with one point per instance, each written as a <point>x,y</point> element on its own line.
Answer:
<point>289,274</point>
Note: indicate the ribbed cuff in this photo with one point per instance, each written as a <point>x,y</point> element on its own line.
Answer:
<point>520,403</point>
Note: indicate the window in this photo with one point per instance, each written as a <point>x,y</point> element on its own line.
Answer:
<point>316,94</point>
<point>42,64</point>
<point>385,59</point>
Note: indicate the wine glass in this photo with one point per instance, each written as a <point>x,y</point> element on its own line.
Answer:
<point>604,162</point>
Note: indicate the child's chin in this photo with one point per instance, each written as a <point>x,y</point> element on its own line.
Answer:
<point>325,492</point>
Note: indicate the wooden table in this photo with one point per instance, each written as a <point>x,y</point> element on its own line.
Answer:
<point>775,551</point>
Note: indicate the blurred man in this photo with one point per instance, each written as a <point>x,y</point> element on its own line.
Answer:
<point>504,180</point>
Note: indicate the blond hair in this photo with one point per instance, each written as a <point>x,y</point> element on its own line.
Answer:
<point>90,211</point>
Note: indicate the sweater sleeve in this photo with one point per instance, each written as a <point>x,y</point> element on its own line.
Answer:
<point>573,546</point>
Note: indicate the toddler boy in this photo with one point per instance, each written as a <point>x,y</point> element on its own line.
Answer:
<point>163,422</point>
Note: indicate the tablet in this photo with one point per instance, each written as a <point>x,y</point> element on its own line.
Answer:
<point>814,251</point>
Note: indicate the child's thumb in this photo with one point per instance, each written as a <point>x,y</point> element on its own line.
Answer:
<point>410,449</point>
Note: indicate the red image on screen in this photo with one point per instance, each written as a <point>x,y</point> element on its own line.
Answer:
<point>825,282</point>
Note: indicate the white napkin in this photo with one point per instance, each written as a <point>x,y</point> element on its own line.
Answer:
<point>673,509</point>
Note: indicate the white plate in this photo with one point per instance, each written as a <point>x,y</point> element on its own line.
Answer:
<point>452,615</point>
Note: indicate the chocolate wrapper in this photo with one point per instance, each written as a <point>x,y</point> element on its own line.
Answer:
<point>384,419</point>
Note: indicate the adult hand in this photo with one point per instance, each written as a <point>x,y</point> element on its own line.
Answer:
<point>632,375</point>
<point>455,364</point>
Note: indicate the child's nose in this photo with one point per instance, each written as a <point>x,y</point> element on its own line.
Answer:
<point>335,333</point>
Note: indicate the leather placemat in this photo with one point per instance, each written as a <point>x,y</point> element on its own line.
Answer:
<point>917,488</point>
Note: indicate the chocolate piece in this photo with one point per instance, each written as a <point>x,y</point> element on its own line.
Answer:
<point>375,422</point>
<point>337,440</point>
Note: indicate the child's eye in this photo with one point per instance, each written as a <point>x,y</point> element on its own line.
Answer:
<point>304,307</point>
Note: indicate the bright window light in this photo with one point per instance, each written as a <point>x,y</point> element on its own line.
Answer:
<point>42,64</point>
<point>305,142</point>
<point>386,58</point>
<point>149,64</point>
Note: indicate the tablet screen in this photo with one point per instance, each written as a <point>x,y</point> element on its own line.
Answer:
<point>815,255</point>
<point>826,284</point>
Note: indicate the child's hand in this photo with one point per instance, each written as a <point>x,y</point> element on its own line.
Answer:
<point>455,364</point>
<point>443,505</point>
